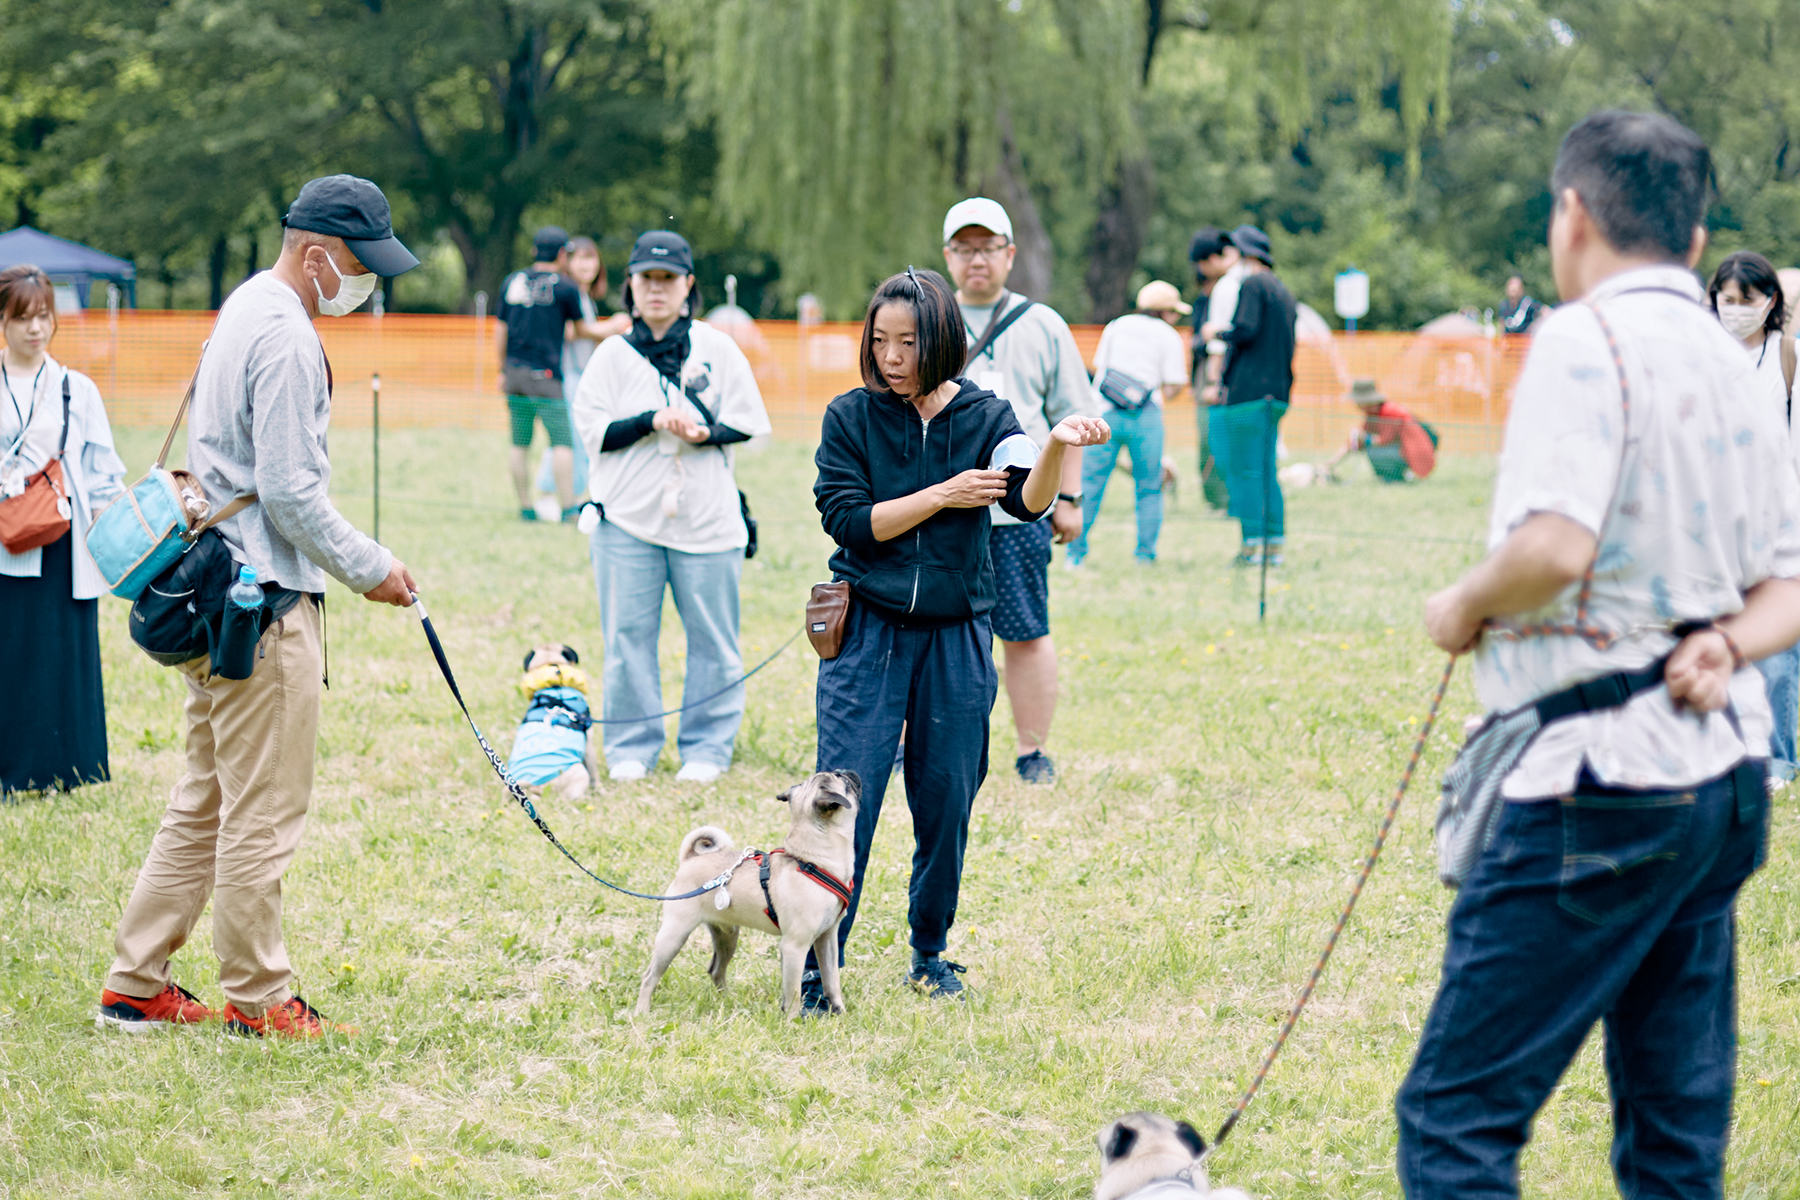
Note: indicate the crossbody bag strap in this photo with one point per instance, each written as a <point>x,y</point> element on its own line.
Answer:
<point>63,443</point>
<point>1587,578</point>
<point>181,411</point>
<point>998,324</point>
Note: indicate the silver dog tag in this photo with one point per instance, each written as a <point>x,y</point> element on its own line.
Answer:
<point>722,897</point>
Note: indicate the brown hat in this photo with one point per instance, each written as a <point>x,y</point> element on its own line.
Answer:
<point>1364,392</point>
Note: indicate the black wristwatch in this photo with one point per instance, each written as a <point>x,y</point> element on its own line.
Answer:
<point>1075,499</point>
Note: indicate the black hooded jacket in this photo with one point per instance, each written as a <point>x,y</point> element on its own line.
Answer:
<point>873,448</point>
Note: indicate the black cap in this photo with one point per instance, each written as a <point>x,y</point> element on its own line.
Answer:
<point>354,209</point>
<point>660,250</point>
<point>549,242</point>
<point>1252,242</point>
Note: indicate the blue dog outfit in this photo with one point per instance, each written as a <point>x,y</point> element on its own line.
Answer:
<point>553,736</point>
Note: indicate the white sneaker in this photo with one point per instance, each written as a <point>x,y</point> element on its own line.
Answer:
<point>626,772</point>
<point>698,772</point>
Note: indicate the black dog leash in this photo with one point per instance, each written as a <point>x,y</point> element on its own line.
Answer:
<point>518,793</point>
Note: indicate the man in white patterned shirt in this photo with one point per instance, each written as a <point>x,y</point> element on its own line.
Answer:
<point>1606,893</point>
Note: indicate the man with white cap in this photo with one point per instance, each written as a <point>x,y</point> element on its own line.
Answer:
<point>1024,352</point>
<point>1141,362</point>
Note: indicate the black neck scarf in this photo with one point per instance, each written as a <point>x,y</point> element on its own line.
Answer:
<point>666,353</point>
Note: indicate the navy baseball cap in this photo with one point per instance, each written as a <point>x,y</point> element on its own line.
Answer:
<point>661,250</point>
<point>354,209</point>
<point>549,242</point>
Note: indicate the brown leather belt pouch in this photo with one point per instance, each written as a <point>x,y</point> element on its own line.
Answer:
<point>826,611</point>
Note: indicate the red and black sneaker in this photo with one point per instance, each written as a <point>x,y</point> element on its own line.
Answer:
<point>293,1019</point>
<point>175,1006</point>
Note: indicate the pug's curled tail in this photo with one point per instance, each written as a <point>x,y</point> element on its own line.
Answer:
<point>704,840</point>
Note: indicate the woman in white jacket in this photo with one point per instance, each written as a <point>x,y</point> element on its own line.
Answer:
<point>52,710</point>
<point>659,411</point>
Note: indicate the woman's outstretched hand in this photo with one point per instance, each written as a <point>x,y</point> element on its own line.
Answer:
<point>972,489</point>
<point>1081,431</point>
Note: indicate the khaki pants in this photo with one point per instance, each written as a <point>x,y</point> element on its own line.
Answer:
<point>233,823</point>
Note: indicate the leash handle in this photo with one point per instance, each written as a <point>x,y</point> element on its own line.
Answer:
<point>1368,868</point>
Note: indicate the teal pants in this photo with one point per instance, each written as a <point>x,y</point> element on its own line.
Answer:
<point>1243,438</point>
<point>1140,432</point>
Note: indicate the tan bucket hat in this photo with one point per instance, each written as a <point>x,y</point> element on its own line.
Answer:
<point>1161,296</point>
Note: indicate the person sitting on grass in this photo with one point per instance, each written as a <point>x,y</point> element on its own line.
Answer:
<point>1400,448</point>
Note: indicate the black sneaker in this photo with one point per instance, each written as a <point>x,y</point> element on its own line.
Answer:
<point>937,977</point>
<point>812,996</point>
<point>1036,767</point>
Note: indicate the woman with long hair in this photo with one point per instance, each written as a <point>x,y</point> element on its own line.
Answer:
<point>660,411</point>
<point>53,712</point>
<point>1747,297</point>
<point>909,465</point>
<point>584,268</point>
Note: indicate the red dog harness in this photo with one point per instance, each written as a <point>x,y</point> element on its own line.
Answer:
<point>812,871</point>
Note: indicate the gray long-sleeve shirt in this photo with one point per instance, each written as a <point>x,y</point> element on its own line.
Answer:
<point>258,424</point>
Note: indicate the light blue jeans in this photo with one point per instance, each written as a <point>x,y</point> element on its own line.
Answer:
<point>1781,676</point>
<point>630,576</point>
<point>1141,432</point>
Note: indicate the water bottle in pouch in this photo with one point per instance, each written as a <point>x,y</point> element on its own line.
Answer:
<point>242,627</point>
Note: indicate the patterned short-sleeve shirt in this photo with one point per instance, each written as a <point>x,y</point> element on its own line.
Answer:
<point>1700,503</point>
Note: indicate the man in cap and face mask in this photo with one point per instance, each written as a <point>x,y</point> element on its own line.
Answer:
<point>262,401</point>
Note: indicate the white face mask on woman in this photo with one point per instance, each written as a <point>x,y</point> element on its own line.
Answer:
<point>352,291</point>
<point>1742,321</point>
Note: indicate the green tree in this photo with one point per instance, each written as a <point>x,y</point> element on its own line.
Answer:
<point>204,116</point>
<point>846,126</point>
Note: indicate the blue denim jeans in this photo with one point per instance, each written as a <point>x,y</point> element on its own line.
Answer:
<point>1781,676</point>
<point>1141,432</point>
<point>1610,906</point>
<point>630,576</point>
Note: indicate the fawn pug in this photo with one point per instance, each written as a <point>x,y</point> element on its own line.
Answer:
<point>1147,1157</point>
<point>797,892</point>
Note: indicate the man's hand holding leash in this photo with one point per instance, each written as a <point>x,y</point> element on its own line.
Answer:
<point>398,589</point>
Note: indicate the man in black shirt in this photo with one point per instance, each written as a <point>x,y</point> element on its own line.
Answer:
<point>1212,254</point>
<point>539,309</point>
<point>1259,374</point>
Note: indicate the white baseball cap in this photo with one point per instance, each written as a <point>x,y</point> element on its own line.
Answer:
<point>977,210</point>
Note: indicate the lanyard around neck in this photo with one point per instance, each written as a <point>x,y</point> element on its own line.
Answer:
<point>25,418</point>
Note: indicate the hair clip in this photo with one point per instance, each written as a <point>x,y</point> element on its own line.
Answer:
<point>917,286</point>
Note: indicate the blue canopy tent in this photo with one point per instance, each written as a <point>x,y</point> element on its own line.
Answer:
<point>67,262</point>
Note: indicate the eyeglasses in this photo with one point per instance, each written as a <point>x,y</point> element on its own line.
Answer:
<point>966,253</point>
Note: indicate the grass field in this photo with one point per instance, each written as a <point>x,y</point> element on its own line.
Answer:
<point>1133,934</point>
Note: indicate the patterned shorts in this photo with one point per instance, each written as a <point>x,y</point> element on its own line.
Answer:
<point>552,410</point>
<point>1021,581</point>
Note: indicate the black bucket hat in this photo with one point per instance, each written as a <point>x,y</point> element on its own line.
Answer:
<point>1252,243</point>
<point>354,209</point>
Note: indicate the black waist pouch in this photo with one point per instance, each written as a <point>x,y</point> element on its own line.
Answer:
<point>178,615</point>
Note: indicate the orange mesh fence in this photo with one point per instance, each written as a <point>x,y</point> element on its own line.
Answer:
<point>441,371</point>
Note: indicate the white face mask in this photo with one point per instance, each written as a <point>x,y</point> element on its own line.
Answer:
<point>1743,320</point>
<point>352,291</point>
